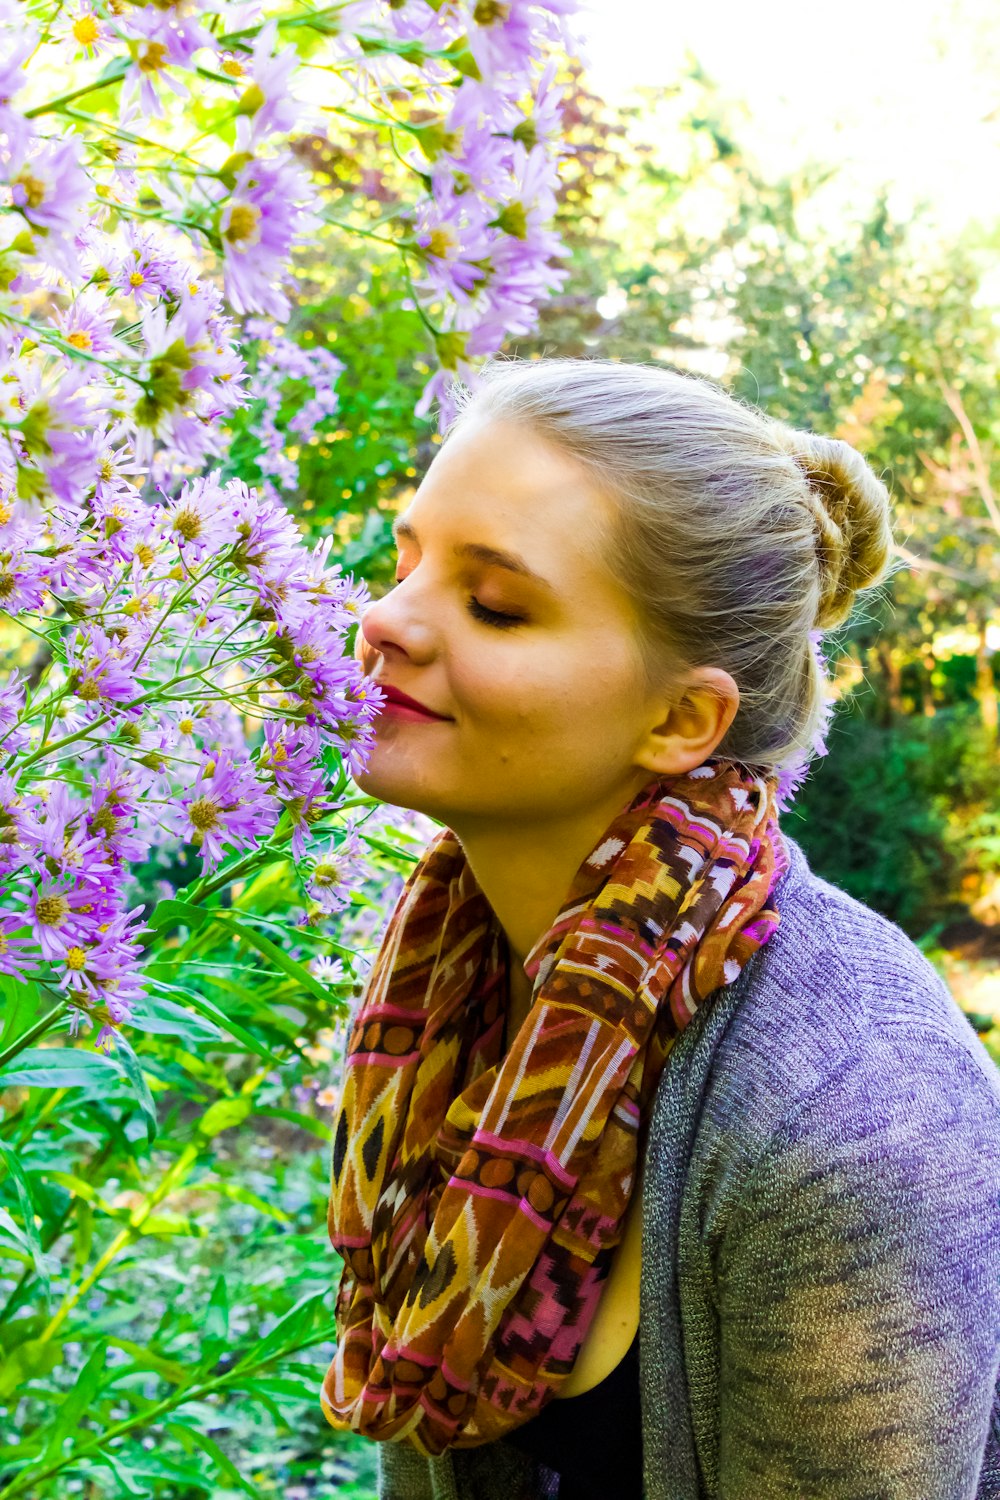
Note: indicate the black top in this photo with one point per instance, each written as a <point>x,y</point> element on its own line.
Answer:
<point>592,1441</point>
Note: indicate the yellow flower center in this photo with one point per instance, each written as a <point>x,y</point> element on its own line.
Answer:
<point>136,278</point>
<point>186,726</point>
<point>326,873</point>
<point>50,910</point>
<point>76,958</point>
<point>189,524</point>
<point>80,339</point>
<point>34,189</point>
<point>86,30</point>
<point>243,220</point>
<point>204,814</point>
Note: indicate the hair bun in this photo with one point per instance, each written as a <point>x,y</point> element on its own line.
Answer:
<point>852,516</point>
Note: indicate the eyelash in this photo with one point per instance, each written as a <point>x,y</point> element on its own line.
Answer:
<point>494,617</point>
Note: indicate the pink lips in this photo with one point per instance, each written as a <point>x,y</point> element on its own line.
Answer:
<point>399,706</point>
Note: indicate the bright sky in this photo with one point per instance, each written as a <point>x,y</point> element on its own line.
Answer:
<point>905,92</point>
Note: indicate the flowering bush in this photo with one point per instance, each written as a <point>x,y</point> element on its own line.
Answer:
<point>186,872</point>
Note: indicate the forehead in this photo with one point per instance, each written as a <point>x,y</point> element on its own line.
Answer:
<point>500,483</point>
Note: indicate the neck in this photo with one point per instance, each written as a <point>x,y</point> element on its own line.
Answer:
<point>525,871</point>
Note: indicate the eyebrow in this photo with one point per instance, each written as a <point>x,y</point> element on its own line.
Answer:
<point>478,552</point>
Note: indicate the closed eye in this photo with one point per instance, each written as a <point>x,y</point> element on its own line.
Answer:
<point>494,617</point>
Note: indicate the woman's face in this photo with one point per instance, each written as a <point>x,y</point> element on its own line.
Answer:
<point>506,621</point>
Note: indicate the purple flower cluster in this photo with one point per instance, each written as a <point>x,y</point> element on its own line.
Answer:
<point>173,672</point>
<point>208,616</point>
<point>482,239</point>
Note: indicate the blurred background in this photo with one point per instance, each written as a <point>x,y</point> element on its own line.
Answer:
<point>808,214</point>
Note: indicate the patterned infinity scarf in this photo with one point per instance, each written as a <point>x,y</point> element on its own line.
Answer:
<point>477,1198</point>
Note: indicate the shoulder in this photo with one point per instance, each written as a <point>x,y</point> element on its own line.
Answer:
<point>839,1027</point>
<point>839,986</point>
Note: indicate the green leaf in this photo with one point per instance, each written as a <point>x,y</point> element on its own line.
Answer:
<point>280,959</point>
<point>76,1403</point>
<point>27,1205</point>
<point>244,1195</point>
<point>128,1482</point>
<point>305,1122</point>
<point>59,1068</point>
<point>225,1113</point>
<point>217,1317</point>
<point>20,1004</point>
<point>172,913</point>
<point>206,1008</point>
<point>225,1467</point>
<point>32,1358</point>
<point>133,1068</point>
<point>156,1014</point>
<point>296,1329</point>
<point>144,1358</point>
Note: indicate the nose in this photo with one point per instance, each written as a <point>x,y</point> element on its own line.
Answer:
<point>392,626</point>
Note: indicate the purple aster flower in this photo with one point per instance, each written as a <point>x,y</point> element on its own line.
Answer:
<point>267,98</point>
<point>15,959</point>
<point>226,807</point>
<point>99,672</point>
<point>20,38</point>
<point>87,324</point>
<point>201,519</point>
<point>103,968</point>
<point>338,870</point>
<point>159,39</point>
<point>25,579</point>
<point>111,815</point>
<point>49,187</point>
<point>63,914</point>
<point>12,737</point>
<point>146,270</point>
<point>88,32</point>
<point>263,218</point>
<point>505,36</point>
<point>61,841</point>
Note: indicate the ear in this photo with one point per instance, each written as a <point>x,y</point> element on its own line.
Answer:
<point>692,725</point>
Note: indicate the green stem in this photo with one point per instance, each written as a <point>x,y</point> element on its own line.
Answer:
<point>65,347</point>
<point>113,74</point>
<point>122,1239</point>
<point>34,1032</point>
<point>30,1478</point>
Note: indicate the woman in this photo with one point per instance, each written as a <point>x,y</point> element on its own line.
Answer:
<point>663,1167</point>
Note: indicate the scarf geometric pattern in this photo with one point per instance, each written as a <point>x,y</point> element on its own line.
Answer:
<point>477,1197</point>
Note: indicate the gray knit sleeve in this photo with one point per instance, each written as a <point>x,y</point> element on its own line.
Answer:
<point>857,1286</point>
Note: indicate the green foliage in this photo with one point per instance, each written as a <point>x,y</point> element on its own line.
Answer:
<point>899,814</point>
<point>166,1281</point>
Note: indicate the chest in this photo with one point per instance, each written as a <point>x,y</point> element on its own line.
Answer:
<point>614,1325</point>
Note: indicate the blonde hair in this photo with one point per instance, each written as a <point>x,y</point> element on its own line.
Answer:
<point>738,538</point>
